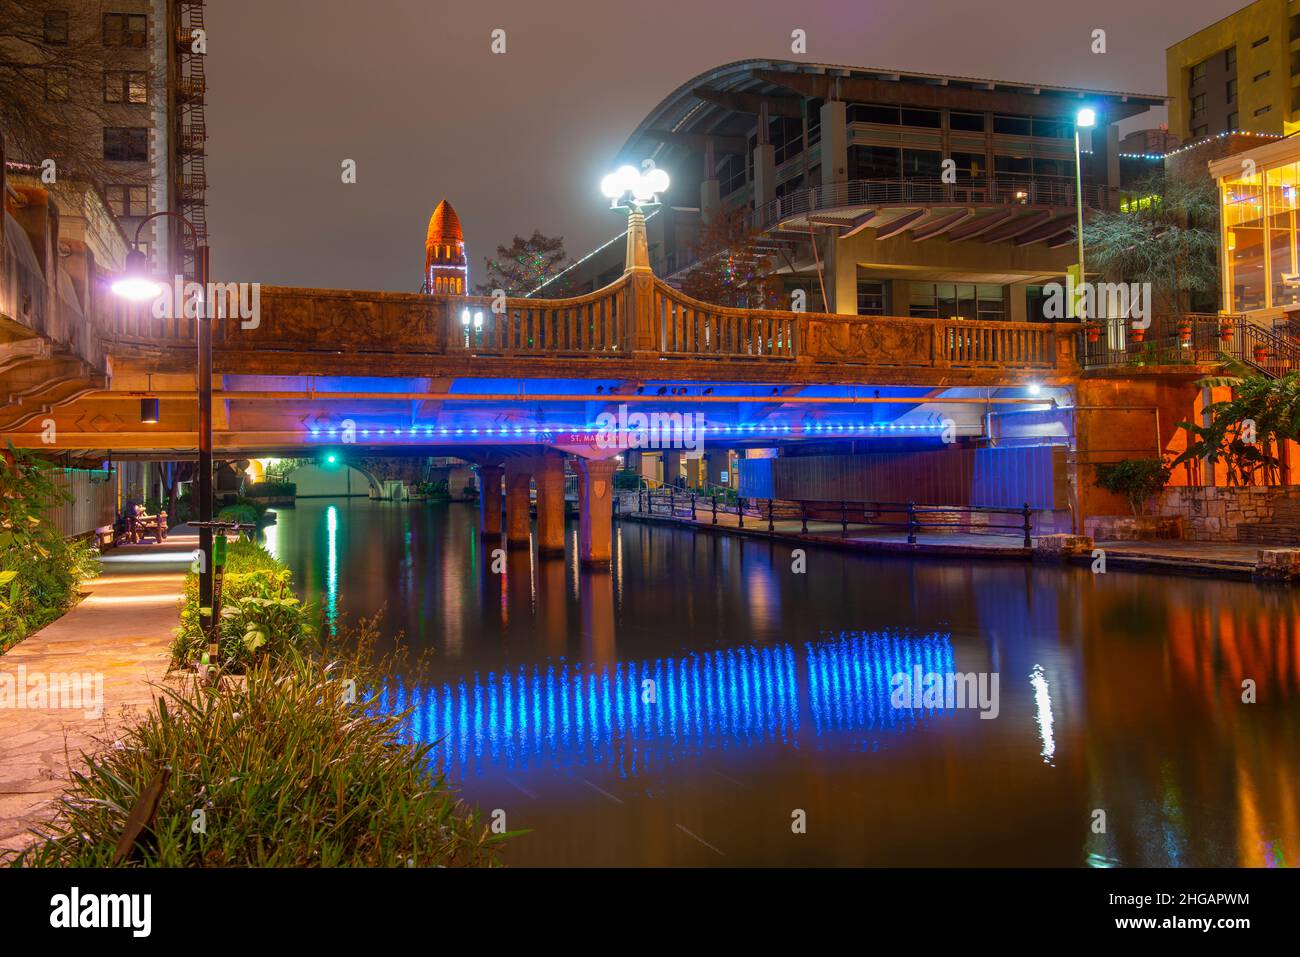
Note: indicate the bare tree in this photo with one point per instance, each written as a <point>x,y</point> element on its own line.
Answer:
<point>57,68</point>
<point>732,267</point>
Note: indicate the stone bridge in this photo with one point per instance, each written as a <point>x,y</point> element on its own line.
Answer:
<point>393,370</point>
<point>511,386</point>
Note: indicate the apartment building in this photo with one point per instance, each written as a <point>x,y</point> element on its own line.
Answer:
<point>141,113</point>
<point>1239,73</point>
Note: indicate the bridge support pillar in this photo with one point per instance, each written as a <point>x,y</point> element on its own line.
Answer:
<point>518,522</point>
<point>715,463</point>
<point>693,467</point>
<point>672,466</point>
<point>489,500</point>
<point>595,511</point>
<point>549,475</point>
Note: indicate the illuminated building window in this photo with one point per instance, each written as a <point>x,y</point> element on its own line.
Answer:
<point>1280,204</point>
<point>1243,221</point>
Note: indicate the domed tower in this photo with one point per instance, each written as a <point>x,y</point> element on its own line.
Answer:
<point>446,269</point>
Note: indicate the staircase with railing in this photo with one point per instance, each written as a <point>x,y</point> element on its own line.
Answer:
<point>1272,352</point>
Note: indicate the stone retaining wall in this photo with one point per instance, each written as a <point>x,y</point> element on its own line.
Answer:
<point>1213,514</point>
<point>1207,514</point>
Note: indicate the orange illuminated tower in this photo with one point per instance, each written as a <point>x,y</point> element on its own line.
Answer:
<point>445,266</point>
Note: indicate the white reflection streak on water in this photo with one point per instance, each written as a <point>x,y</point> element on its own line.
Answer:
<point>1043,706</point>
<point>271,535</point>
<point>332,564</point>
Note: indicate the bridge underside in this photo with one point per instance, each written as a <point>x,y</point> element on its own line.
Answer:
<point>475,418</point>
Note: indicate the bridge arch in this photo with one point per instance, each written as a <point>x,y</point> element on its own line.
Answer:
<point>348,478</point>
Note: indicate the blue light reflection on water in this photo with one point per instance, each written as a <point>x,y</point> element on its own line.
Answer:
<point>562,714</point>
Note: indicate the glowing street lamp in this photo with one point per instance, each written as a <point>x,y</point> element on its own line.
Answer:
<point>634,189</point>
<point>135,283</point>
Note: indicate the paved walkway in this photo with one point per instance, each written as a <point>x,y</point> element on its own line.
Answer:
<point>1220,559</point>
<point>120,633</point>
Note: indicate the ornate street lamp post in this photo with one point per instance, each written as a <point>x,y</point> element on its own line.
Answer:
<point>136,284</point>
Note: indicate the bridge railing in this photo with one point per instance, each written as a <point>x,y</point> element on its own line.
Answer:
<point>592,324</point>
<point>129,321</point>
<point>1017,344</point>
<point>637,318</point>
<point>687,327</point>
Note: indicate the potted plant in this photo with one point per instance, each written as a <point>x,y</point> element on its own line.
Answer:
<point>1260,352</point>
<point>1184,329</point>
<point>1092,329</point>
<point>1227,326</point>
<point>1139,333</point>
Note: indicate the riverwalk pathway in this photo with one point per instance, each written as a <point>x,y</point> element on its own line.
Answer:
<point>121,633</point>
<point>1215,559</point>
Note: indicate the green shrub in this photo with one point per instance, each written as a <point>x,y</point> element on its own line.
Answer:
<point>242,513</point>
<point>271,490</point>
<point>40,570</point>
<point>289,770</point>
<point>1136,479</point>
<point>260,615</point>
<point>435,491</point>
<point>626,480</point>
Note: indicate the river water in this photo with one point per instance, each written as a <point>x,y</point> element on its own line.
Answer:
<point>708,702</point>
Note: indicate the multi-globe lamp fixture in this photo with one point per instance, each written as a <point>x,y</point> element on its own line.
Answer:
<point>631,188</point>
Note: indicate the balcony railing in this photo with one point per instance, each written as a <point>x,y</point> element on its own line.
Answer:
<point>1004,190</point>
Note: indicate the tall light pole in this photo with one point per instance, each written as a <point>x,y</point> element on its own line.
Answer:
<point>1086,119</point>
<point>634,190</point>
<point>135,284</point>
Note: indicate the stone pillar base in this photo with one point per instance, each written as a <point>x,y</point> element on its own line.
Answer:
<point>519,528</point>
<point>595,511</point>
<point>549,475</point>
<point>1278,565</point>
<point>1062,546</point>
<point>489,501</point>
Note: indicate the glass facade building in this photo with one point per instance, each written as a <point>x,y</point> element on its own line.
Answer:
<point>1258,196</point>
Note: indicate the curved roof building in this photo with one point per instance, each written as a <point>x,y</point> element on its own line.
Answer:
<point>882,191</point>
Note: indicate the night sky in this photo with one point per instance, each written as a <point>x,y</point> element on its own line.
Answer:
<point>410,90</point>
